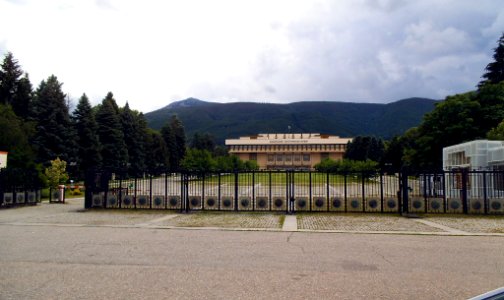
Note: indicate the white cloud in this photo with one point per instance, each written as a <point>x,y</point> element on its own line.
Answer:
<point>152,52</point>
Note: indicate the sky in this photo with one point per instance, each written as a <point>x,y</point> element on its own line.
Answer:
<point>150,53</point>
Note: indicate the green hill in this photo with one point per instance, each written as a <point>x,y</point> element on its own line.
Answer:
<point>231,120</point>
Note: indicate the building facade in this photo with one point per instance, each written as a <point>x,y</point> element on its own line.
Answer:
<point>288,150</point>
<point>475,155</point>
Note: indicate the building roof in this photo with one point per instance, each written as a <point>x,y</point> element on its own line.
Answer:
<point>288,138</point>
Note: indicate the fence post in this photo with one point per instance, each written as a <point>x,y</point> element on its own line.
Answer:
<point>485,195</point>
<point>405,190</point>
<point>150,191</point>
<point>219,191</point>
<point>327,185</point>
<point>381,189</point>
<point>236,190</point>
<point>345,189</point>
<point>253,190</point>
<point>186,192</point>
<point>363,192</point>
<point>464,190</point>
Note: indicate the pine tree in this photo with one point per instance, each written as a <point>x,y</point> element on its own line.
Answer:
<point>22,101</point>
<point>88,144</point>
<point>134,138</point>
<point>179,142</point>
<point>53,133</point>
<point>157,152</point>
<point>9,77</point>
<point>14,139</point>
<point>114,152</point>
<point>169,140</point>
<point>495,70</point>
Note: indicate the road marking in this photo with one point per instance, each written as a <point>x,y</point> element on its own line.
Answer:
<point>158,220</point>
<point>442,227</point>
<point>290,223</point>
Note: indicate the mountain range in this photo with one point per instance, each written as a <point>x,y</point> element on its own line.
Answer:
<point>345,119</point>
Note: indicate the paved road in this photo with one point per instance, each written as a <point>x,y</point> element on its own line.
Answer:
<point>42,262</point>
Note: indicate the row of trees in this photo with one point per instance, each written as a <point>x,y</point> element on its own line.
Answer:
<point>37,127</point>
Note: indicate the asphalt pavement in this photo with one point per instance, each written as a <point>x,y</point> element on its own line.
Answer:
<point>42,257</point>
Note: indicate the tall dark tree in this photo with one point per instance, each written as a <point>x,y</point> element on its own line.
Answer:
<point>134,137</point>
<point>169,139</point>
<point>10,74</point>
<point>88,144</point>
<point>14,138</point>
<point>157,152</point>
<point>22,100</point>
<point>495,70</point>
<point>365,147</point>
<point>53,134</point>
<point>114,152</point>
<point>203,142</point>
<point>453,121</point>
<point>491,112</point>
<point>179,144</point>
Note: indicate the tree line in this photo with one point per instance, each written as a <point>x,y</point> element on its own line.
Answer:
<point>38,126</point>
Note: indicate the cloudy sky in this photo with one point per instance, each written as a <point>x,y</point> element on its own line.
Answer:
<point>151,53</point>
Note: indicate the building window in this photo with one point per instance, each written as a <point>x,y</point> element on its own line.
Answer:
<point>297,157</point>
<point>271,157</point>
<point>288,158</point>
<point>324,155</point>
<point>279,157</point>
<point>253,156</point>
<point>306,157</point>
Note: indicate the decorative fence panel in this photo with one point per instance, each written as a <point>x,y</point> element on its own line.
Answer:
<point>19,187</point>
<point>475,192</point>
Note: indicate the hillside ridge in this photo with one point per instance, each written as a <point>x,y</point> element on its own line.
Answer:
<point>346,119</point>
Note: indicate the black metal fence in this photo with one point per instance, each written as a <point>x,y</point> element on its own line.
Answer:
<point>19,187</point>
<point>478,192</point>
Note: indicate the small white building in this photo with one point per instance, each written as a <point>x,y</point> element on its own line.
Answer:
<point>3,159</point>
<point>475,155</point>
<point>478,155</point>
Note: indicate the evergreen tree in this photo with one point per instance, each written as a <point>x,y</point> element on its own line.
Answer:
<point>364,148</point>
<point>22,100</point>
<point>157,152</point>
<point>114,152</point>
<point>203,142</point>
<point>495,70</point>
<point>14,138</point>
<point>53,133</point>
<point>179,147</point>
<point>169,140</point>
<point>9,76</point>
<point>134,138</point>
<point>88,144</point>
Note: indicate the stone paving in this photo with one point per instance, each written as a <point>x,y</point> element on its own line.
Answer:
<point>73,214</point>
<point>473,224</point>
<point>361,222</point>
<point>227,220</point>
